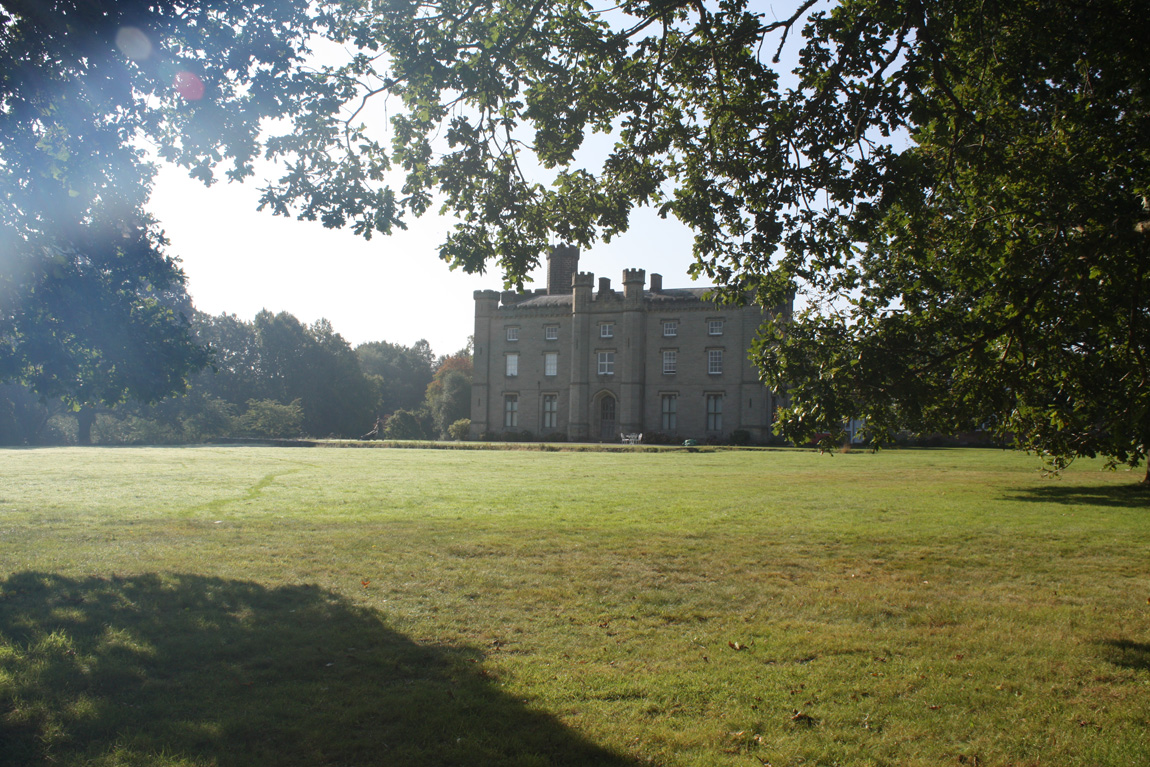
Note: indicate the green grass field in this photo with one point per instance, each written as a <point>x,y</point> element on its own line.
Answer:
<point>263,606</point>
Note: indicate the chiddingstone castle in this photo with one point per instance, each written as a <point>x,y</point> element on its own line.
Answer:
<point>592,365</point>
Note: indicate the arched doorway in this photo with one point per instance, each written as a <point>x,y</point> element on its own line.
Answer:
<point>608,423</point>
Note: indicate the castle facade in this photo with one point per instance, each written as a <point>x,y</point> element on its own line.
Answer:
<point>593,365</point>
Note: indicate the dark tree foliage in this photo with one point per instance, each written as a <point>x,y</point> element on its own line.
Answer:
<point>449,393</point>
<point>449,399</point>
<point>23,415</point>
<point>91,307</point>
<point>992,272</point>
<point>234,374</point>
<point>315,365</point>
<point>402,373</point>
<point>271,377</point>
<point>956,191</point>
<point>403,424</point>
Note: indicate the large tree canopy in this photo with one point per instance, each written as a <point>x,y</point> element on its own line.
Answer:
<point>957,191</point>
<point>91,306</point>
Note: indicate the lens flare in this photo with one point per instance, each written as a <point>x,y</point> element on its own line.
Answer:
<point>189,85</point>
<point>133,43</point>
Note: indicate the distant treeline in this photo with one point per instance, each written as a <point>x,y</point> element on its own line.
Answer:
<point>272,377</point>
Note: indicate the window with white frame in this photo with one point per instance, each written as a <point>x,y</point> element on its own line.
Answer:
<point>510,411</point>
<point>715,361</point>
<point>714,327</point>
<point>670,328</point>
<point>670,361</point>
<point>512,364</point>
<point>513,333</point>
<point>670,404</point>
<point>550,411</point>
<point>551,363</point>
<point>551,333</point>
<point>607,330</point>
<point>606,363</point>
<point>714,412</point>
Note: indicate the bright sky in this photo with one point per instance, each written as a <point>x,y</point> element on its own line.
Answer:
<point>393,288</point>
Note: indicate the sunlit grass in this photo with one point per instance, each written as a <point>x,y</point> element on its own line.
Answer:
<point>324,606</point>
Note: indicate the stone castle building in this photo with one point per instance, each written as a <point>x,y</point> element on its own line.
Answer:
<point>594,364</point>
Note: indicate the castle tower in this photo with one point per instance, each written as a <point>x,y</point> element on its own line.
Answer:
<point>633,378</point>
<point>579,422</point>
<point>486,304</point>
<point>562,265</point>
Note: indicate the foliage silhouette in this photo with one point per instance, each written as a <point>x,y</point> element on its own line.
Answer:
<point>186,669</point>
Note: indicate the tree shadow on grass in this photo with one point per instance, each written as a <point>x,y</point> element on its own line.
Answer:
<point>190,670</point>
<point>1132,496</point>
<point>1127,653</point>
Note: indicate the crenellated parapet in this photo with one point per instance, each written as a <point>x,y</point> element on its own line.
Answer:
<point>583,280</point>
<point>633,281</point>
<point>562,264</point>
<point>582,285</point>
<point>486,302</point>
<point>634,275</point>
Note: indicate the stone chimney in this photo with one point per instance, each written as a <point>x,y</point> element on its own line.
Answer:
<point>562,265</point>
<point>656,283</point>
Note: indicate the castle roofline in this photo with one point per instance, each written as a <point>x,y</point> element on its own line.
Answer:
<point>668,295</point>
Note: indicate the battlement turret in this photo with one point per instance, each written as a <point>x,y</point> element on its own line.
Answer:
<point>562,264</point>
<point>633,280</point>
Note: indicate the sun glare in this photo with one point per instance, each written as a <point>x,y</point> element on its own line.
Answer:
<point>133,43</point>
<point>189,85</point>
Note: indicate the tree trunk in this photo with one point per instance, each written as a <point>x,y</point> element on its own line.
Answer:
<point>85,417</point>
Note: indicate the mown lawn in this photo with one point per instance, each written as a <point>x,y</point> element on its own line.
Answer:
<point>263,606</point>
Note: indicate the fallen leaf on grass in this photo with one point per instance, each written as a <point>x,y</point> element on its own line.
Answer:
<point>365,582</point>
<point>736,646</point>
<point>801,718</point>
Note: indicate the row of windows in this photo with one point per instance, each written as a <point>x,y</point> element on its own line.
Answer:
<point>607,330</point>
<point>550,332</point>
<point>670,328</point>
<point>550,411</point>
<point>550,364</point>
<point>714,361</point>
<point>670,362</point>
<point>606,363</point>
<point>669,412</point>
